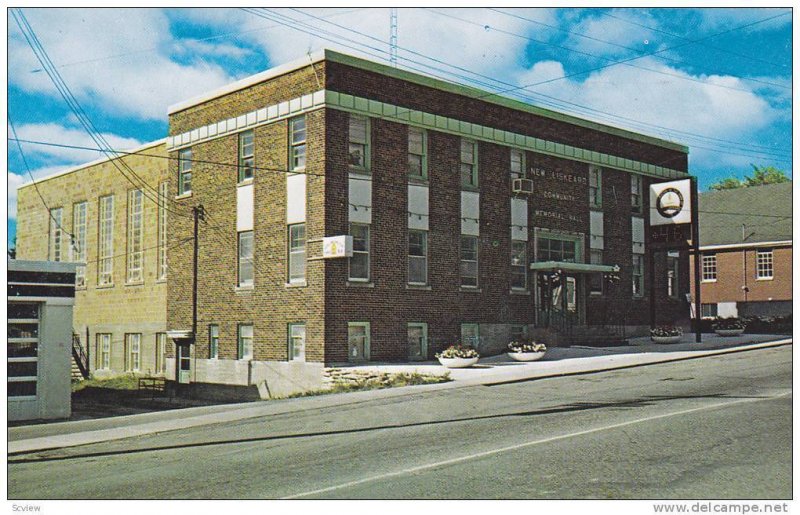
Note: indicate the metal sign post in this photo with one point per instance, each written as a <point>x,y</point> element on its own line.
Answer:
<point>696,247</point>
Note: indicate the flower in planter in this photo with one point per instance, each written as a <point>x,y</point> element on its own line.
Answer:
<point>526,347</point>
<point>666,330</point>
<point>732,323</point>
<point>458,351</point>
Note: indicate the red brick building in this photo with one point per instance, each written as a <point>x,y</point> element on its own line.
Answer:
<point>746,245</point>
<point>473,218</point>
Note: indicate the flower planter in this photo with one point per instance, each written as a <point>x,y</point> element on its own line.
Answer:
<point>666,339</point>
<point>457,362</point>
<point>729,332</point>
<point>526,356</point>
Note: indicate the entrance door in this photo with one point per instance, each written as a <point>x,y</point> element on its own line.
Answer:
<point>184,364</point>
<point>417,341</point>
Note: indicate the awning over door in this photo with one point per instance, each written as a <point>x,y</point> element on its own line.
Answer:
<point>572,268</point>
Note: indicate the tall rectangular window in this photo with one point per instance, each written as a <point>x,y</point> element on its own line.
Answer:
<point>105,245</point>
<point>297,253</point>
<point>764,264</point>
<point>596,279</point>
<point>162,231</point>
<point>245,341</point>
<point>297,143</point>
<point>469,261</point>
<point>672,274</point>
<point>133,345</point>
<point>56,234</point>
<point>246,155</point>
<point>245,258</point>
<point>297,342</point>
<point>469,162</point>
<point>184,171</point>
<point>519,265</point>
<point>709,266</point>
<point>104,351</point>
<point>553,249</point>
<point>23,349</point>
<point>213,341</point>
<point>359,263</point>
<point>595,187</point>
<point>358,341</point>
<point>637,275</point>
<point>161,353</point>
<point>636,194</point>
<point>79,247</point>
<point>135,236</point>
<point>417,152</point>
<point>417,256</point>
<point>358,137</point>
<point>708,311</point>
<point>517,163</point>
<point>471,335</point>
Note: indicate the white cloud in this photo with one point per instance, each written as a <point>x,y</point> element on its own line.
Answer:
<point>604,35</point>
<point>14,181</point>
<point>195,46</point>
<point>54,133</point>
<point>719,19</point>
<point>140,81</point>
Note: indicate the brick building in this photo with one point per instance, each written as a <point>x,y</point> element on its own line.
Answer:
<point>746,245</point>
<point>116,230</point>
<point>473,218</point>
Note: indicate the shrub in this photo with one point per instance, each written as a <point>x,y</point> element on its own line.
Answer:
<point>666,330</point>
<point>458,351</point>
<point>727,323</point>
<point>526,347</point>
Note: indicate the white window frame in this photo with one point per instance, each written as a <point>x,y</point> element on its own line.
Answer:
<point>185,171</point>
<point>31,340</point>
<point>595,187</point>
<point>422,258</point>
<point>133,351</point>
<point>637,278</point>
<point>247,152</point>
<point>517,166</point>
<point>135,268</point>
<point>296,352</point>
<point>79,214</point>
<point>673,275</point>
<point>516,266</point>
<point>471,258</point>
<point>161,353</point>
<point>709,268</point>
<point>56,234</point>
<point>245,342</point>
<point>356,142</point>
<point>298,134</point>
<point>245,263</point>
<point>104,350</point>
<point>765,264</point>
<point>637,202</point>
<point>161,273</point>
<point>296,267</point>
<point>367,340</point>
<point>468,160</point>
<point>213,341</point>
<point>366,253</point>
<point>105,246</point>
<point>420,153</point>
<point>596,258</point>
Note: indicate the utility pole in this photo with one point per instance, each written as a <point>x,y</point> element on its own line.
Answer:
<point>697,257</point>
<point>393,36</point>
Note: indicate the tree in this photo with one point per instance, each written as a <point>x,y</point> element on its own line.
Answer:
<point>761,175</point>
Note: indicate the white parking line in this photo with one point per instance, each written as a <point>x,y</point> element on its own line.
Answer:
<point>483,454</point>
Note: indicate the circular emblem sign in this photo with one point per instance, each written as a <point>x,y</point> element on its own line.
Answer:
<point>669,203</point>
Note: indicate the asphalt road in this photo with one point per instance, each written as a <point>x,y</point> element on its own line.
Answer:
<point>711,428</point>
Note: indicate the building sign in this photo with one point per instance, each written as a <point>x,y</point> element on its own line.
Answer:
<point>557,176</point>
<point>337,247</point>
<point>672,236</point>
<point>670,203</point>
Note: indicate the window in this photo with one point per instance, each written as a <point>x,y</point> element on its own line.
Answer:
<point>469,162</point>
<point>358,341</point>
<point>519,265</point>
<point>297,342</point>
<point>297,253</point>
<point>596,279</point>
<point>469,261</point>
<point>185,171</point>
<point>552,249</point>
<point>417,337</point>
<point>471,335</point>
<point>161,353</point>
<point>595,187</point>
<point>672,274</point>
<point>246,152</point>
<point>213,341</point>
<point>638,275</point>
<point>245,342</point>
<point>104,351</point>
<point>764,269</point>
<point>133,345</point>
<point>105,251</point>
<point>79,247</point>
<point>708,311</point>
<point>246,258</point>
<point>519,333</point>
<point>417,256</point>
<point>709,265</point>
<point>359,142</point>
<point>135,236</point>
<point>23,349</point>
<point>162,231</point>
<point>417,152</point>
<point>359,263</point>
<point>517,163</point>
<point>56,234</point>
<point>297,143</point>
<point>636,194</point>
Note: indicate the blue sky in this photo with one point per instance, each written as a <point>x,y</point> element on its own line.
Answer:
<point>716,80</point>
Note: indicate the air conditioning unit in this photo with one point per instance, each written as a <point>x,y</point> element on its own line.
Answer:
<point>522,186</point>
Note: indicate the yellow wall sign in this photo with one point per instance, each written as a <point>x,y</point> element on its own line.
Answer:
<point>337,247</point>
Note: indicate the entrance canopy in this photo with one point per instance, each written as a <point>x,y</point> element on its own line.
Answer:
<point>572,268</point>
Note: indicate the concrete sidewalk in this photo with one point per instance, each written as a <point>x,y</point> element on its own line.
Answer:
<point>492,370</point>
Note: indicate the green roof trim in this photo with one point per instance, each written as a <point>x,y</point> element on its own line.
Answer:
<point>345,102</point>
<point>495,98</point>
<point>576,268</point>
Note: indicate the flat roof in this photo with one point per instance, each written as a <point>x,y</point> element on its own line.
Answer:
<point>425,80</point>
<point>92,163</point>
<point>21,265</point>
